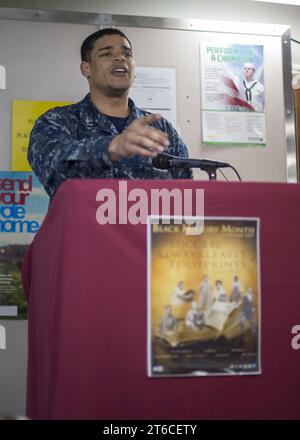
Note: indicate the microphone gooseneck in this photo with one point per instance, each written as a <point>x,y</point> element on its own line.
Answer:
<point>164,161</point>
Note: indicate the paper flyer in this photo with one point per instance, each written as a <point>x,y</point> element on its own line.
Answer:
<point>24,115</point>
<point>154,90</point>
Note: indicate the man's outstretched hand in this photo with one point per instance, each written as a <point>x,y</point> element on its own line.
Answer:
<point>140,139</point>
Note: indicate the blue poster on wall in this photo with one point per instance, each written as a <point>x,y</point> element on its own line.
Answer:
<point>23,206</point>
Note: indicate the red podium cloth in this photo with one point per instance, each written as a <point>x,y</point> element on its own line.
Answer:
<point>86,286</point>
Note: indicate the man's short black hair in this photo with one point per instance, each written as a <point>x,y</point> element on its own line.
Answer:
<point>88,44</point>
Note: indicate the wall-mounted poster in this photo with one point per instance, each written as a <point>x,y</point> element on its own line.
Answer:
<point>232,94</point>
<point>24,115</point>
<point>154,90</point>
<point>204,298</point>
<point>23,206</point>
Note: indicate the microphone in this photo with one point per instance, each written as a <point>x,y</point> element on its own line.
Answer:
<point>163,161</point>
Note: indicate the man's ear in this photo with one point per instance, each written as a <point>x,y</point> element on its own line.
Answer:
<point>85,69</point>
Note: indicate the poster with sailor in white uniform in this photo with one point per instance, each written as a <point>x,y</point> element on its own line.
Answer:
<point>233,94</point>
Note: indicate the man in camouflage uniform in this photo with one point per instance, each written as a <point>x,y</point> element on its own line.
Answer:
<point>105,135</point>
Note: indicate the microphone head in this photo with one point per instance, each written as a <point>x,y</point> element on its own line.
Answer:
<point>162,161</point>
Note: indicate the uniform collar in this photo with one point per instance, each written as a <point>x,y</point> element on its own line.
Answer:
<point>250,83</point>
<point>92,116</point>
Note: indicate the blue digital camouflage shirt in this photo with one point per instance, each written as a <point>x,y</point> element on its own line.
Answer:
<point>72,142</point>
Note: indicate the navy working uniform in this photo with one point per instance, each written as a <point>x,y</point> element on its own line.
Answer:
<point>72,142</point>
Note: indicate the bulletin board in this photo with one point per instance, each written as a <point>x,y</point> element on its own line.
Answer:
<point>40,51</point>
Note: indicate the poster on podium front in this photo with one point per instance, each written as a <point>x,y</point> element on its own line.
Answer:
<point>204,303</point>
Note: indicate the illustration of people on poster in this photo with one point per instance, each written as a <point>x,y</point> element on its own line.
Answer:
<point>233,94</point>
<point>204,299</point>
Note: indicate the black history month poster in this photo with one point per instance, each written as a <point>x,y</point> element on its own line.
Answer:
<point>204,298</point>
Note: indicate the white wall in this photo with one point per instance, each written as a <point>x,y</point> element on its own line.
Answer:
<point>233,10</point>
<point>12,385</point>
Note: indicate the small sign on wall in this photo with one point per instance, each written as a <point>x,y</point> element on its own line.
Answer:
<point>2,78</point>
<point>24,115</point>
